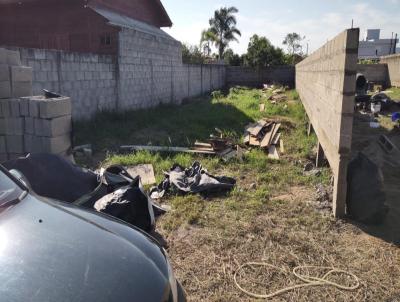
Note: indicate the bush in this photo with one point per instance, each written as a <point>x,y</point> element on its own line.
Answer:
<point>217,94</point>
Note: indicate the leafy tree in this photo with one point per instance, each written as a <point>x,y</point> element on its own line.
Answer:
<point>232,58</point>
<point>192,54</point>
<point>261,53</point>
<point>293,42</point>
<point>223,29</point>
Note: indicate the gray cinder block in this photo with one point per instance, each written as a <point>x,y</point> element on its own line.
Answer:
<point>4,73</point>
<point>10,57</point>
<point>21,89</point>
<point>51,108</point>
<point>53,127</point>
<point>3,157</point>
<point>56,145</point>
<point>21,74</point>
<point>14,107</point>
<point>13,57</point>
<point>15,144</point>
<point>33,144</point>
<point>33,103</point>
<point>12,126</point>
<point>29,125</point>
<point>5,89</point>
<point>24,106</point>
<point>3,148</point>
<point>4,108</point>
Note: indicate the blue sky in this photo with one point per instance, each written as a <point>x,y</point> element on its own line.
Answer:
<point>317,20</point>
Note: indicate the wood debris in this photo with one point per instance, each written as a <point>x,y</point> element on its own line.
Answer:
<point>265,134</point>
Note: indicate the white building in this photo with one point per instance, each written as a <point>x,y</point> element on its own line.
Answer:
<point>373,47</point>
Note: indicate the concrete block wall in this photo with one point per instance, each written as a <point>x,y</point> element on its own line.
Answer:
<point>393,64</point>
<point>30,124</point>
<point>326,85</point>
<point>377,73</point>
<point>247,76</point>
<point>151,72</point>
<point>148,71</point>
<point>89,79</point>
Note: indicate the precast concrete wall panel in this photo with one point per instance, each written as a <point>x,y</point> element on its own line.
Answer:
<point>393,63</point>
<point>326,84</point>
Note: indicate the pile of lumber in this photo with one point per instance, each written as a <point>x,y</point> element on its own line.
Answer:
<point>265,134</point>
<point>219,146</point>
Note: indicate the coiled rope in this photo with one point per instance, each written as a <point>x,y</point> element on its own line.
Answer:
<point>308,280</point>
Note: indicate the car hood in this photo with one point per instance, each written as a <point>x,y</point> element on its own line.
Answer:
<point>52,251</point>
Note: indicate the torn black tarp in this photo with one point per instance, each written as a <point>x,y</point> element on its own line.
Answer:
<point>54,177</point>
<point>113,190</point>
<point>127,199</point>
<point>191,180</point>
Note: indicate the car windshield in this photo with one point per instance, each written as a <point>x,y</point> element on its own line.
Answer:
<point>9,190</point>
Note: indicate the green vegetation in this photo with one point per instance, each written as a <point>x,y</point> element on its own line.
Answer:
<point>261,53</point>
<point>395,93</point>
<point>183,125</point>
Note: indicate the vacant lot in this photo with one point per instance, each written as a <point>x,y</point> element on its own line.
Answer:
<point>274,214</point>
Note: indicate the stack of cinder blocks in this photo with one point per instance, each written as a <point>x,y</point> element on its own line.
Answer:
<point>29,124</point>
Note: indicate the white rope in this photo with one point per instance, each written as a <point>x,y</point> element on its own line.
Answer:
<point>308,280</point>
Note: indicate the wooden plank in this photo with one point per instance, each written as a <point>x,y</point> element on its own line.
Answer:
<point>146,173</point>
<point>276,129</point>
<point>249,126</point>
<point>276,139</point>
<point>257,128</point>
<point>164,149</point>
<point>254,141</point>
<point>273,152</point>
<point>281,147</point>
<point>204,145</point>
<point>267,138</point>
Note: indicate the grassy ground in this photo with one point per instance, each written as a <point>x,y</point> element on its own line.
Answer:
<point>395,93</point>
<point>271,215</point>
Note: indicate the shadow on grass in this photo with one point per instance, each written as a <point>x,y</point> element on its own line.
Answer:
<point>165,125</point>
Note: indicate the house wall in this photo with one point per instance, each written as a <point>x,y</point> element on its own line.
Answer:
<point>148,11</point>
<point>63,25</point>
<point>393,63</point>
<point>326,83</point>
<point>246,76</point>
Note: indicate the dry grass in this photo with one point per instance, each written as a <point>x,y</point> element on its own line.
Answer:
<point>286,232</point>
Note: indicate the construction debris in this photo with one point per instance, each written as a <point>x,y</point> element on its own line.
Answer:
<point>193,179</point>
<point>218,146</point>
<point>265,134</point>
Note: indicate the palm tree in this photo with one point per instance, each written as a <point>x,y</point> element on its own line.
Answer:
<point>207,39</point>
<point>223,29</point>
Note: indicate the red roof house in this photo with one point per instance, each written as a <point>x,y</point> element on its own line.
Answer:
<point>77,25</point>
